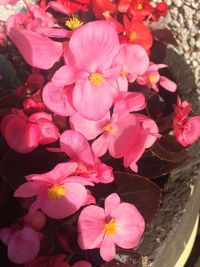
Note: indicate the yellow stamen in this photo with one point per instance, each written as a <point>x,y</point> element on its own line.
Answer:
<point>108,127</point>
<point>124,73</point>
<point>96,78</point>
<point>73,23</point>
<point>133,36</point>
<point>152,78</point>
<point>106,14</point>
<point>56,191</point>
<point>139,6</point>
<point>110,228</point>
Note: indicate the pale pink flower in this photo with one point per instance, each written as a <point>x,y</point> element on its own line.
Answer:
<point>8,2</point>
<point>134,61</point>
<point>90,57</point>
<point>23,134</point>
<point>59,192</point>
<point>120,224</point>
<point>75,145</point>
<point>23,245</point>
<point>186,128</point>
<point>117,132</point>
<point>152,77</point>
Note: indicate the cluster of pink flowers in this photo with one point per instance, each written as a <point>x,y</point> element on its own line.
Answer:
<point>86,81</point>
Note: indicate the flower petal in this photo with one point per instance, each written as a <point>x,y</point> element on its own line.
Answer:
<point>167,84</point>
<point>38,51</point>
<point>30,189</point>
<point>107,249</point>
<point>94,46</point>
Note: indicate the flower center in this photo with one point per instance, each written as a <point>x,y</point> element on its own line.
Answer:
<point>108,127</point>
<point>56,191</point>
<point>152,78</point>
<point>133,36</point>
<point>124,73</point>
<point>139,6</point>
<point>73,23</point>
<point>96,78</point>
<point>110,228</point>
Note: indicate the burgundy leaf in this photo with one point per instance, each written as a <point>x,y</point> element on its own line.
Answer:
<point>14,166</point>
<point>167,148</point>
<point>158,52</point>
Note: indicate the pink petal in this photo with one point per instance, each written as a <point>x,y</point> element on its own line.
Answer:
<point>30,189</point>
<point>111,204</point>
<point>48,133</point>
<point>60,208</point>
<point>130,226</point>
<point>75,145</point>
<point>36,220</point>
<point>90,227</point>
<point>86,99</point>
<point>123,83</point>
<point>191,131</point>
<point>56,6</point>
<point>67,75</point>
<point>38,51</point>
<point>24,246</point>
<point>58,99</point>
<point>8,2</point>
<point>53,32</point>
<point>90,129</point>
<point>100,145</point>
<point>21,136</point>
<point>105,173</point>
<point>79,180</point>
<point>107,249</point>
<point>35,117</point>
<point>94,51</point>
<point>167,84</point>
<point>133,58</point>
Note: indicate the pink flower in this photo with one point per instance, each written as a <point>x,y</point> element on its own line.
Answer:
<point>134,61</point>
<point>59,193</point>
<point>186,129</point>
<point>90,57</point>
<point>36,220</point>
<point>23,245</point>
<point>8,2</point>
<point>118,224</point>
<point>117,132</point>
<point>75,145</point>
<point>23,134</point>
<point>152,77</point>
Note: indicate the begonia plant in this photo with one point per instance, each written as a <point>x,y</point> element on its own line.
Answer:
<point>84,112</point>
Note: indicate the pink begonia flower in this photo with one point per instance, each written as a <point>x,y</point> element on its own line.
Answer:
<point>75,145</point>
<point>134,61</point>
<point>120,224</point>
<point>23,134</point>
<point>90,58</point>
<point>30,106</point>
<point>117,132</point>
<point>23,245</point>
<point>152,77</point>
<point>186,129</point>
<point>58,99</point>
<point>59,193</point>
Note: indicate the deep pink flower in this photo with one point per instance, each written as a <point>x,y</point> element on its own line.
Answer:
<point>36,220</point>
<point>23,245</point>
<point>152,77</point>
<point>117,132</point>
<point>134,61</point>
<point>59,193</point>
<point>23,134</point>
<point>186,129</point>
<point>118,224</point>
<point>90,58</point>
<point>75,145</point>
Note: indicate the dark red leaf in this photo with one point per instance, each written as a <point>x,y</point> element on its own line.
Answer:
<point>167,148</point>
<point>162,34</point>
<point>14,166</point>
<point>155,106</point>
<point>152,167</point>
<point>158,52</point>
